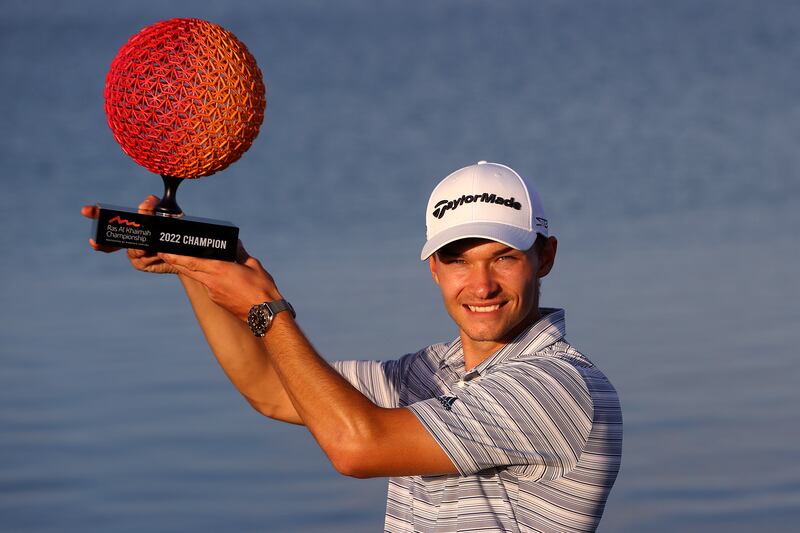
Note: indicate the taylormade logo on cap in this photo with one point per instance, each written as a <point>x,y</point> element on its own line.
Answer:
<point>486,200</point>
<point>444,205</point>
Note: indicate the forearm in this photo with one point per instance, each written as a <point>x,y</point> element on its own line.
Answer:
<point>242,356</point>
<point>360,438</point>
<point>283,377</point>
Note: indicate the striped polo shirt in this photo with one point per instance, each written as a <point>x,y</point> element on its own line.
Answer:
<point>535,431</point>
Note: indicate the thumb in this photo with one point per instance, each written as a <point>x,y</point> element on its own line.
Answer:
<point>149,203</point>
<point>252,262</point>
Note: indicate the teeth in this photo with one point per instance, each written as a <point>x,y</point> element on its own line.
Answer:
<point>483,309</point>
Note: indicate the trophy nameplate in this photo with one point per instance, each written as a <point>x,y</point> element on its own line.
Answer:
<point>194,236</point>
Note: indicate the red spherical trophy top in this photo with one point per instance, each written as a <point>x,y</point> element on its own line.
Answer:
<point>184,98</point>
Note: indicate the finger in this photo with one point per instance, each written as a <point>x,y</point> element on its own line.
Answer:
<point>202,277</point>
<point>252,262</point>
<point>135,253</point>
<point>186,272</point>
<point>195,264</point>
<point>102,247</point>
<point>89,211</point>
<point>145,260</point>
<point>149,204</point>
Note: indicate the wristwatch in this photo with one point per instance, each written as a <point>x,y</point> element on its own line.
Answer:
<point>261,315</point>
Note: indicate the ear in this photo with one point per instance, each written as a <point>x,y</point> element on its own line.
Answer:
<point>433,265</point>
<point>547,257</point>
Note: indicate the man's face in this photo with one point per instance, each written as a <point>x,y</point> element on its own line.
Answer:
<point>490,289</point>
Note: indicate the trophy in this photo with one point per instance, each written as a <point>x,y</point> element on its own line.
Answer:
<point>185,99</point>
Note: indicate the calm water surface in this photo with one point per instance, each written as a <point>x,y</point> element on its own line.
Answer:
<point>663,137</point>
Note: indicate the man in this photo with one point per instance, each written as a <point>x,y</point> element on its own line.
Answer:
<point>506,428</point>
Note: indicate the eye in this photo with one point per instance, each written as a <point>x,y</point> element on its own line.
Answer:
<point>451,261</point>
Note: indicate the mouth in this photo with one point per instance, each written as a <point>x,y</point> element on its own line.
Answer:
<point>483,308</point>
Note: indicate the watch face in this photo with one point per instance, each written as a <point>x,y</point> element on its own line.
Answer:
<point>257,320</point>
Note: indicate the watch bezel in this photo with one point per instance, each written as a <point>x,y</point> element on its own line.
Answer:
<point>259,319</point>
<point>261,315</point>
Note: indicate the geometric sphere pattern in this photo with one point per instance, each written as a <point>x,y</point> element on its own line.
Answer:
<point>184,98</point>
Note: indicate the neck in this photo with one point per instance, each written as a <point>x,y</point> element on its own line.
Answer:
<point>477,351</point>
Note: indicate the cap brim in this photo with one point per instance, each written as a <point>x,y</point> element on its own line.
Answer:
<point>512,236</point>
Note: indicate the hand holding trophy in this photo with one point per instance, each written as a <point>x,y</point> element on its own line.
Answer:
<point>185,99</point>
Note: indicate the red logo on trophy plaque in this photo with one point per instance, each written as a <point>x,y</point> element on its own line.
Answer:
<point>185,99</point>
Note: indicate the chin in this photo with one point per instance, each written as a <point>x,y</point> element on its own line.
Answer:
<point>484,334</point>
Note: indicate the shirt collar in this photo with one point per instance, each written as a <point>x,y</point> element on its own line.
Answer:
<point>550,328</point>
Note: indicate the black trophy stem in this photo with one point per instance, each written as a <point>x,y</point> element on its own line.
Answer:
<point>169,206</point>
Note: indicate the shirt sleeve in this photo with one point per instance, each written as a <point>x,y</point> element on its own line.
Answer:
<point>377,380</point>
<point>533,417</point>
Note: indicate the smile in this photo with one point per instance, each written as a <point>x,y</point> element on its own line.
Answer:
<point>483,308</point>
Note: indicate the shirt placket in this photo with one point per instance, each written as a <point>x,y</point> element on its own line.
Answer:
<point>448,376</point>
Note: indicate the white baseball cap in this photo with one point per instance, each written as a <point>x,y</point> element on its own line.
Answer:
<point>486,201</point>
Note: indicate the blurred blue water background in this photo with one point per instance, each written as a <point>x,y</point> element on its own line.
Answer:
<point>662,135</point>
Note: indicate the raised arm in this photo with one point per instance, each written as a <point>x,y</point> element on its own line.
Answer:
<point>241,355</point>
<point>360,438</point>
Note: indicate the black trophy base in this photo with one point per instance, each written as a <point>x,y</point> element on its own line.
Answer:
<point>196,237</point>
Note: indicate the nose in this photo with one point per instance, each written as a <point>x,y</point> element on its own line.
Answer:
<point>483,283</point>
